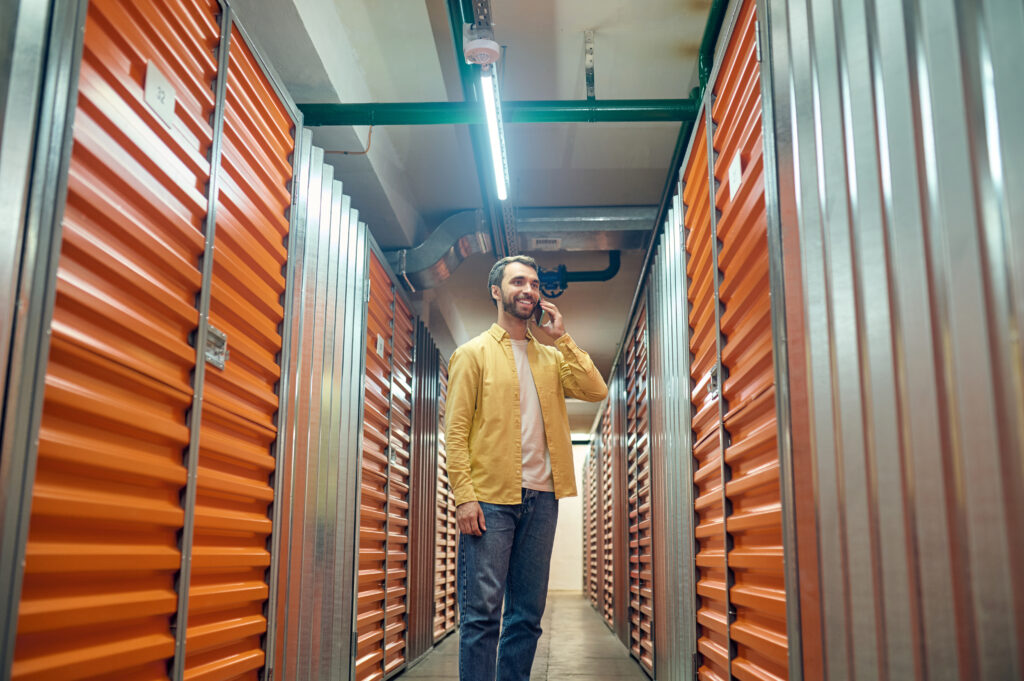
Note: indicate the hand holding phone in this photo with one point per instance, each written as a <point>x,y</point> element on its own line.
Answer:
<point>553,325</point>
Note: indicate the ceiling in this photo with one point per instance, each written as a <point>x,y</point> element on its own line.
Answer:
<point>413,177</point>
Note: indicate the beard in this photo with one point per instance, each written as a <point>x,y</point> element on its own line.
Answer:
<point>509,304</point>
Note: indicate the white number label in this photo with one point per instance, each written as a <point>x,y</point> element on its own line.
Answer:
<point>159,94</point>
<point>735,175</point>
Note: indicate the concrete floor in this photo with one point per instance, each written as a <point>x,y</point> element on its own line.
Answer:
<point>575,644</point>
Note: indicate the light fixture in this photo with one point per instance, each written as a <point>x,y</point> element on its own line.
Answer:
<point>492,109</point>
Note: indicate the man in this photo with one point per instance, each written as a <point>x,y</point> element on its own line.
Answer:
<point>509,460</point>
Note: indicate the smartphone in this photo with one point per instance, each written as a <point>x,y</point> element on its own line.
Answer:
<point>537,314</point>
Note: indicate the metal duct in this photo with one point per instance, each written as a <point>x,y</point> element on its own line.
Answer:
<point>433,261</point>
<point>601,228</point>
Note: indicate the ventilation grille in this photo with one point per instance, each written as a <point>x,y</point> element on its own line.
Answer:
<point>545,244</point>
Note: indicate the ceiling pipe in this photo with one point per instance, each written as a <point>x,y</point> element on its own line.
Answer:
<point>554,282</point>
<point>462,113</point>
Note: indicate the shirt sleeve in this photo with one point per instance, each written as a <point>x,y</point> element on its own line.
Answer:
<point>580,378</point>
<point>463,383</point>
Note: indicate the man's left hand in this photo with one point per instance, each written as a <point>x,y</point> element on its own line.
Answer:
<point>555,325</point>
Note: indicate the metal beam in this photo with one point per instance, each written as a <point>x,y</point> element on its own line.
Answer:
<point>471,113</point>
<point>463,113</point>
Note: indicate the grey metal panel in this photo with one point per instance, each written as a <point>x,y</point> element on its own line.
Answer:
<point>780,363</point>
<point>307,431</point>
<point>621,505</point>
<point>297,370</point>
<point>994,64</point>
<point>834,647</point>
<point>423,495</point>
<point>62,32</point>
<point>23,27</point>
<point>345,379</point>
<point>360,262</point>
<point>323,433</point>
<point>659,500</point>
<point>330,413</point>
<point>962,296</point>
<point>898,146</point>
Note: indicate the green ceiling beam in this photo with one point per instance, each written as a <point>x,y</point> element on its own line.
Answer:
<point>461,113</point>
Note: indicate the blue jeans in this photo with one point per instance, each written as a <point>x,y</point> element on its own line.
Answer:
<point>509,561</point>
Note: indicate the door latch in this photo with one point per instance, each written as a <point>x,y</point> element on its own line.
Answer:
<point>216,347</point>
<point>713,383</point>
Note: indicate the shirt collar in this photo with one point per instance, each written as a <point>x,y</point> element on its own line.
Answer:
<point>499,334</point>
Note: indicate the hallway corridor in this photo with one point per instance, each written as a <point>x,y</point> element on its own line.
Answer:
<point>585,649</point>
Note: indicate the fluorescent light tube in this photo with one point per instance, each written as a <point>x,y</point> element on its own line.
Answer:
<point>492,109</point>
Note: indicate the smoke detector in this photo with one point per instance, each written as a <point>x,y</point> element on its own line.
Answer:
<point>481,51</point>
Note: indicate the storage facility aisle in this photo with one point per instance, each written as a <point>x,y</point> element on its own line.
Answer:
<point>575,645</point>
<point>240,241</point>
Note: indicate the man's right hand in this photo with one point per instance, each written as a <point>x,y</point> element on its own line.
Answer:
<point>470,518</point>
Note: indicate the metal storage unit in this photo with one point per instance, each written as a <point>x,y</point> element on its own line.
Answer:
<point>757,594</point>
<point>638,485</point>
<point>895,170</point>
<point>374,488</point>
<point>102,504</point>
<point>723,610</point>
<point>708,470</point>
<point>446,532</point>
<point>316,554</point>
<point>606,561</point>
<point>228,585</point>
<point>385,488</point>
<point>591,528</point>
<point>398,488</point>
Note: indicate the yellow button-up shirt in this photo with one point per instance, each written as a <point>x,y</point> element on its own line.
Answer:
<point>483,433</point>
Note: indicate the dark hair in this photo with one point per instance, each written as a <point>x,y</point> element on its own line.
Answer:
<point>498,271</point>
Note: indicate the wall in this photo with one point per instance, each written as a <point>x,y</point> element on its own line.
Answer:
<point>567,557</point>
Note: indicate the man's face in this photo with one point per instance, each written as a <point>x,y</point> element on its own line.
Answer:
<point>520,290</point>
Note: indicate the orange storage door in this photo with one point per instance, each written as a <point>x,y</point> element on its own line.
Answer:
<point>709,508</point>
<point>757,594</point>
<point>607,518</point>
<point>373,518</point>
<point>230,554</point>
<point>641,565</point>
<point>398,488</point>
<point>447,530</point>
<point>98,596</point>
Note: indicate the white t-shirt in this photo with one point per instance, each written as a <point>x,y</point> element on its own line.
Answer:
<point>536,457</point>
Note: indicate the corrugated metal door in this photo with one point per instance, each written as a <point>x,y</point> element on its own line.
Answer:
<point>608,488</point>
<point>398,487</point>
<point>757,592</point>
<point>230,556</point>
<point>98,595</point>
<point>590,528</point>
<point>712,602</point>
<point>373,508</point>
<point>641,575</point>
<point>447,530</point>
